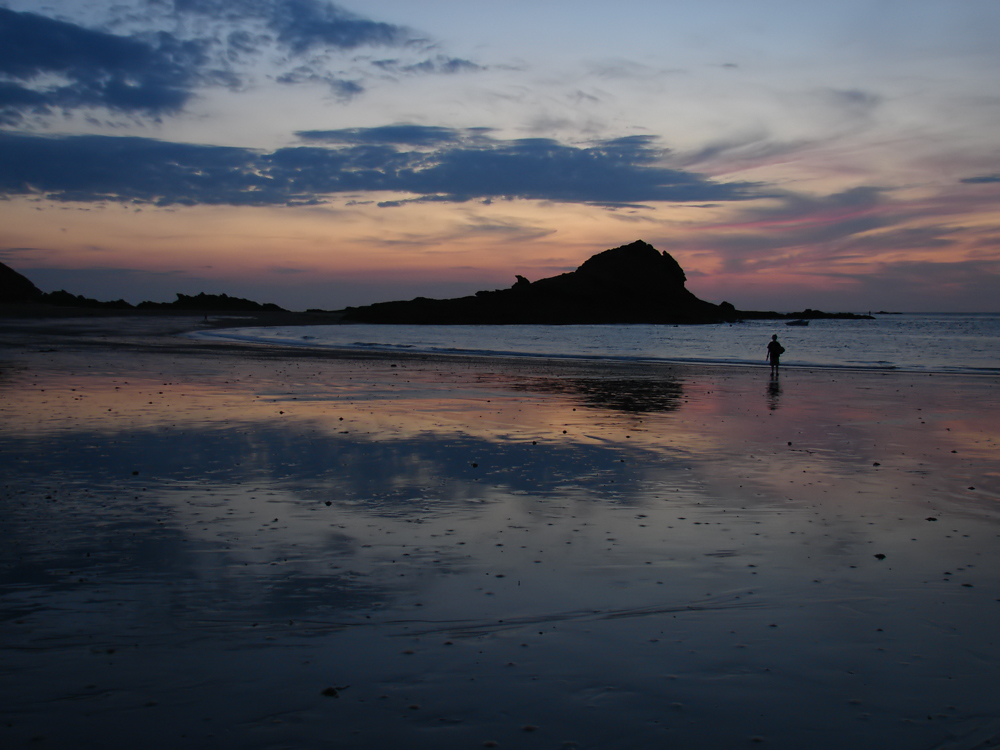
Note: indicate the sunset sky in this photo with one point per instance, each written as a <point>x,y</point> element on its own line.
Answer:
<point>841,156</point>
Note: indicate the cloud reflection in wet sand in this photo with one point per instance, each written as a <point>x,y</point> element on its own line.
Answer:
<point>204,546</point>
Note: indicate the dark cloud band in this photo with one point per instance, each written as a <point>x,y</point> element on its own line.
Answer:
<point>93,69</point>
<point>982,179</point>
<point>454,166</point>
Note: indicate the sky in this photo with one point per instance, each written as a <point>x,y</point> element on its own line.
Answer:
<point>843,156</point>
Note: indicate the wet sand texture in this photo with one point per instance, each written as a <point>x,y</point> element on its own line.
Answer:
<point>230,547</point>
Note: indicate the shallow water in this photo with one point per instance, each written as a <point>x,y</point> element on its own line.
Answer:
<point>967,343</point>
<point>194,550</point>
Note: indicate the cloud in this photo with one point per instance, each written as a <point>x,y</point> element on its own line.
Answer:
<point>16,253</point>
<point>982,179</point>
<point>439,64</point>
<point>448,165</point>
<point>813,230</point>
<point>861,245</point>
<point>105,168</point>
<point>512,230</point>
<point>742,151</point>
<point>47,64</point>
<point>306,31</point>
<point>614,172</point>
<point>395,135</point>
<point>928,285</point>
<point>303,26</point>
<point>855,101</point>
<point>340,88</point>
<point>623,68</point>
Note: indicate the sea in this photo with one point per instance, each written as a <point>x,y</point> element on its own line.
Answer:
<point>917,342</point>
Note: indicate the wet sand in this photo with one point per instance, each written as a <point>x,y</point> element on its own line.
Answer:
<point>226,546</point>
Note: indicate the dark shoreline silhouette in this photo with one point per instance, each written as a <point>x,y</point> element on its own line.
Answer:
<point>17,289</point>
<point>634,283</point>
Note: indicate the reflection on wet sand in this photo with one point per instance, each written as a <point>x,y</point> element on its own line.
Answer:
<point>196,551</point>
<point>634,395</point>
<point>774,392</point>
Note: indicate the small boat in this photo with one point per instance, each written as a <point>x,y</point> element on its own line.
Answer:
<point>799,322</point>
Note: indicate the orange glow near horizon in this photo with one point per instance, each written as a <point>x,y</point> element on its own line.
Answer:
<point>471,246</point>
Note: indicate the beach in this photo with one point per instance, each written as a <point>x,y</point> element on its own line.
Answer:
<point>227,545</point>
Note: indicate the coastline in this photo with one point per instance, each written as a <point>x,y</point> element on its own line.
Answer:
<point>203,538</point>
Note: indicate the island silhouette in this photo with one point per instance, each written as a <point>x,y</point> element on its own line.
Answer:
<point>634,283</point>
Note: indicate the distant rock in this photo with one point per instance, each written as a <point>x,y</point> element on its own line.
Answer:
<point>15,288</point>
<point>211,302</point>
<point>62,298</point>
<point>802,317</point>
<point>634,283</point>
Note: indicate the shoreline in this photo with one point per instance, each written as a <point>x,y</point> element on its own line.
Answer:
<point>154,330</point>
<point>235,546</point>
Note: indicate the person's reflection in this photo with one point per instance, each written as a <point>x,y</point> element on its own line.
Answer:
<point>773,391</point>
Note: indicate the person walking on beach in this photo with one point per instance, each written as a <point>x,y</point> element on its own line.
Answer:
<point>774,352</point>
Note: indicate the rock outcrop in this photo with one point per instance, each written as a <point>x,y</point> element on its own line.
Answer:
<point>634,283</point>
<point>15,288</point>
<point>18,289</point>
<point>211,302</point>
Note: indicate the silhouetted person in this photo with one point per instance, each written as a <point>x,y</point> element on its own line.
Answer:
<point>774,352</point>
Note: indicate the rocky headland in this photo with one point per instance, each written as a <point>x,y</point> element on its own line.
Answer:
<point>634,283</point>
<point>17,289</point>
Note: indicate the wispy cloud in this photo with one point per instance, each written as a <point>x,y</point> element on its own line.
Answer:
<point>49,65</point>
<point>438,64</point>
<point>341,88</point>
<point>308,32</point>
<point>814,234</point>
<point>303,26</point>
<point>868,239</point>
<point>395,135</point>
<point>982,179</point>
<point>738,151</point>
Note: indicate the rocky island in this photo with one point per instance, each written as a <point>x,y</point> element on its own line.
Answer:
<point>634,283</point>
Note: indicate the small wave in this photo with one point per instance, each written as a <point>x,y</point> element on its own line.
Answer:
<point>921,345</point>
<point>368,345</point>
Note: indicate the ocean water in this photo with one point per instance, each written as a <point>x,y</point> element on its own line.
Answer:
<point>961,343</point>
